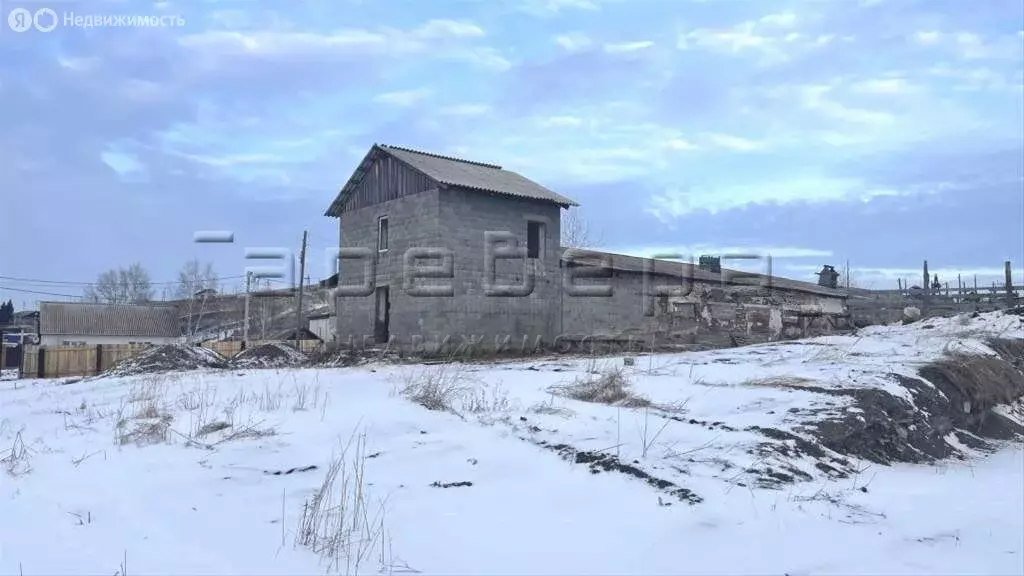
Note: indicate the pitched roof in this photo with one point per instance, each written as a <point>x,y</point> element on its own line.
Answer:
<point>89,319</point>
<point>624,263</point>
<point>456,172</point>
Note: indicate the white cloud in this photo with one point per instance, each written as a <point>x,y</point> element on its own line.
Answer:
<point>927,37</point>
<point>625,47</point>
<point>465,110</point>
<point>695,251</point>
<point>573,41</point>
<point>561,121</point>
<point>601,143</point>
<point>442,29</point>
<point>78,64</point>
<point>883,86</point>
<point>443,39</point>
<point>403,97</point>
<point>681,144</point>
<point>734,143</point>
<point>972,46</point>
<point>804,189</point>
<point>781,20</point>
<point>814,97</point>
<point>553,7</point>
<point>771,37</point>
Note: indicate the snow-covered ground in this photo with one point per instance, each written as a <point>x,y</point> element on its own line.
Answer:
<point>217,471</point>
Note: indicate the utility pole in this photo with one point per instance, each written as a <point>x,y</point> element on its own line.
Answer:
<point>302,274</point>
<point>245,327</point>
<point>1011,299</point>
<point>263,316</point>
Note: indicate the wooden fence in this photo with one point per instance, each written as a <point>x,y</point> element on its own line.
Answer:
<point>64,361</point>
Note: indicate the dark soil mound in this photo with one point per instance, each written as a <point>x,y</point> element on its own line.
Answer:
<point>168,358</point>
<point>272,355</point>
<point>955,403</point>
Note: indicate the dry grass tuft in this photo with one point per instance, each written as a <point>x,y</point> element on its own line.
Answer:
<point>439,388</point>
<point>338,522</point>
<point>16,462</point>
<point>450,388</point>
<point>608,386</point>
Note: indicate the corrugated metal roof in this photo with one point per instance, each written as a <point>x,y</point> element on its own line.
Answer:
<point>625,263</point>
<point>88,319</point>
<point>458,172</point>
<point>475,175</point>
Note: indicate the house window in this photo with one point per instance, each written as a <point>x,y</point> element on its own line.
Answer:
<point>382,234</point>
<point>534,239</point>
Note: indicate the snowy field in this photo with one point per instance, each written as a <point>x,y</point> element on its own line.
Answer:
<point>497,469</point>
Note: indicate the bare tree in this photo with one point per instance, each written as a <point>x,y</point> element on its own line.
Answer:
<point>576,232</point>
<point>194,278</point>
<point>129,285</point>
<point>196,282</point>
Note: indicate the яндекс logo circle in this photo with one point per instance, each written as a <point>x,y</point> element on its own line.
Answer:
<point>39,19</point>
<point>19,20</point>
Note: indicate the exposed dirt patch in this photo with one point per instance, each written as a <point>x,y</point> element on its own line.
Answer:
<point>290,471</point>
<point>952,399</point>
<point>451,484</point>
<point>168,358</point>
<point>270,355</point>
<point>599,462</point>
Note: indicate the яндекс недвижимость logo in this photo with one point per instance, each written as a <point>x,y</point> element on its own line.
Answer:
<point>22,19</point>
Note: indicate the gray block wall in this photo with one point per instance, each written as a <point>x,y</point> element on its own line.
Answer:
<point>454,224</point>
<point>472,313</point>
<point>412,222</point>
<point>620,313</point>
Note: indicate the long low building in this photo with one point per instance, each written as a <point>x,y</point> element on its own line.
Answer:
<point>86,324</point>
<point>435,248</point>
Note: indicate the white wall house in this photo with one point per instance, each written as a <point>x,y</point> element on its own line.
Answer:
<point>88,324</point>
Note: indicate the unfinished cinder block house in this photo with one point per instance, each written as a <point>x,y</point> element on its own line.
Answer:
<point>435,247</point>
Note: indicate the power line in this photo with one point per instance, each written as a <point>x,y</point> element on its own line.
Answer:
<point>39,292</point>
<point>75,283</point>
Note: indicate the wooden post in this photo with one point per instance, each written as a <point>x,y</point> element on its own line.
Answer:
<point>99,359</point>
<point>245,326</point>
<point>41,362</point>
<point>1010,299</point>
<point>947,288</point>
<point>899,284</point>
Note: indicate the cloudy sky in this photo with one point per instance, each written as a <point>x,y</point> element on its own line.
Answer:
<point>879,132</point>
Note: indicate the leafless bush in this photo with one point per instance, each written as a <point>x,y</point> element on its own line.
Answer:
<point>145,431</point>
<point>142,417</point>
<point>211,427</point>
<point>609,386</point>
<point>338,522</point>
<point>439,387</point>
<point>485,399</point>
<point>549,408</point>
